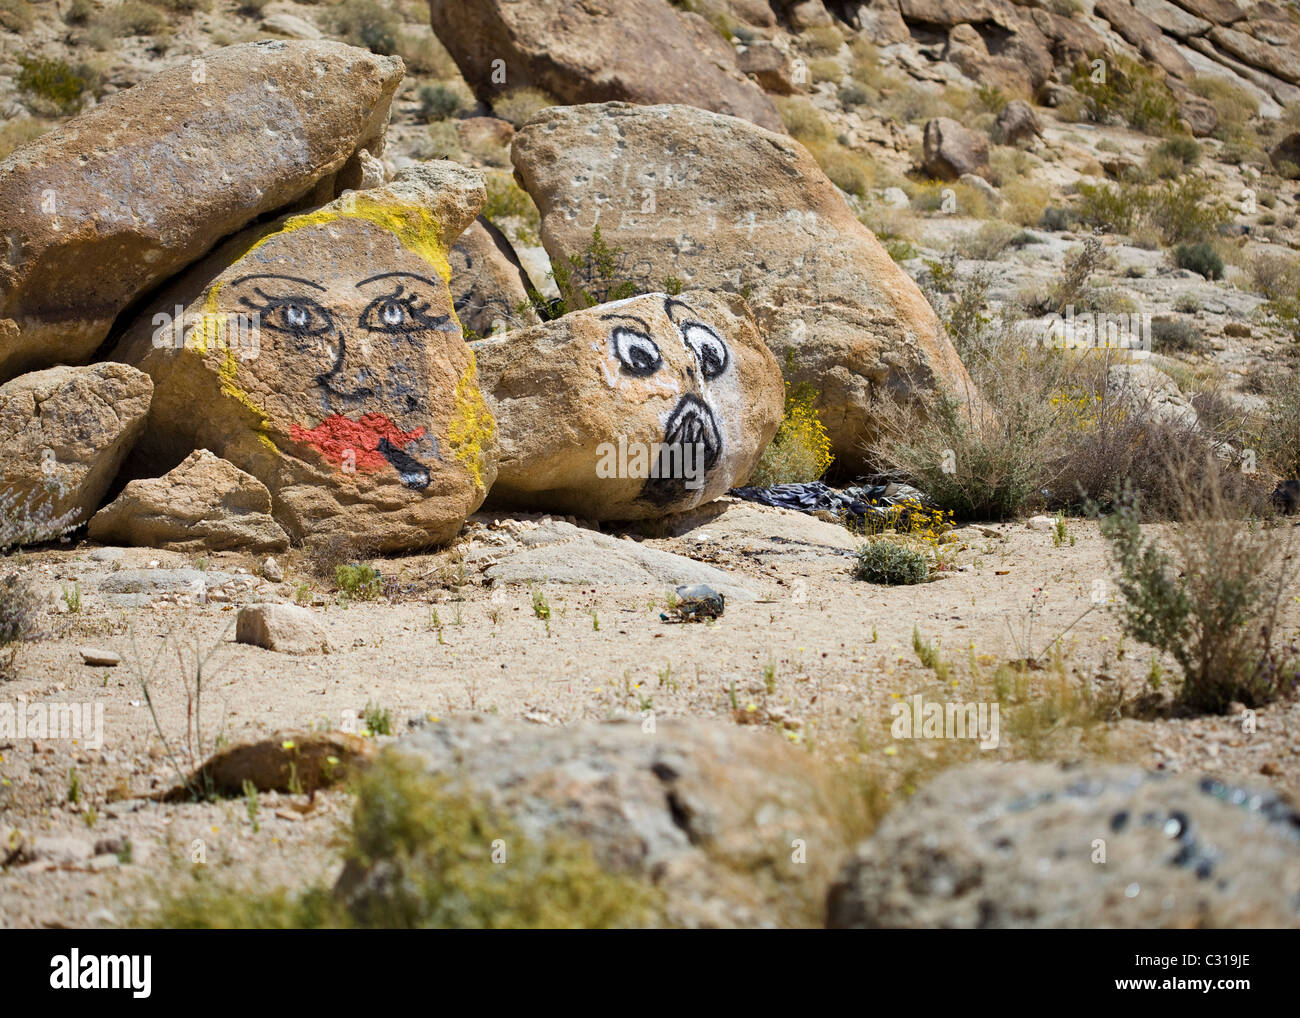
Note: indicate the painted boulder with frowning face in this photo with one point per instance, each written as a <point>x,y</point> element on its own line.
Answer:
<point>631,410</point>
<point>322,355</point>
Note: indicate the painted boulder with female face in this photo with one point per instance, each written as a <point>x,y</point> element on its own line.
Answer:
<point>631,410</point>
<point>322,355</point>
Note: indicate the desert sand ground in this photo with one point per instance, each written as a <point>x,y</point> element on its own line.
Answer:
<point>817,655</point>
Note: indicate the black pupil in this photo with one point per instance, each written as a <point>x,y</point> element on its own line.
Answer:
<point>641,358</point>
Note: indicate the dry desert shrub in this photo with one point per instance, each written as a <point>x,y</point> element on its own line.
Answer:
<point>521,105</point>
<point>1208,590</point>
<point>1053,428</point>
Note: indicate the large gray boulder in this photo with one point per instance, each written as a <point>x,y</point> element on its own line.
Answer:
<point>1038,845</point>
<point>714,815</point>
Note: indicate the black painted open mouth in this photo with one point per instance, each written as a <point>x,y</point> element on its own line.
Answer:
<point>691,447</point>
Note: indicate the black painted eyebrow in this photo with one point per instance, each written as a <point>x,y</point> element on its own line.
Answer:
<point>627,318</point>
<point>390,275</point>
<point>273,275</point>
<point>671,305</point>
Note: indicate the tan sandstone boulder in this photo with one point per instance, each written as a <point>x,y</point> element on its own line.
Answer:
<point>642,51</point>
<point>284,628</point>
<point>724,205</point>
<point>326,360</point>
<point>64,432</point>
<point>153,177</point>
<point>633,409</point>
<point>952,151</point>
<point>489,286</point>
<point>203,504</point>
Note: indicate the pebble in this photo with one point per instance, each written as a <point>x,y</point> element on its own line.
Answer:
<point>272,571</point>
<point>99,656</point>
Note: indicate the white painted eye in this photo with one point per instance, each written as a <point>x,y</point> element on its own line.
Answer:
<point>296,316</point>
<point>708,347</point>
<point>393,314</point>
<point>637,352</point>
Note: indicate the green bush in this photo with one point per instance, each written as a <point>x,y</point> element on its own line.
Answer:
<point>1235,108</point>
<point>1175,335</point>
<point>1130,92</point>
<point>888,561</point>
<point>1056,219</point>
<point>1277,277</point>
<point>52,81</point>
<point>1209,594</point>
<point>1182,211</point>
<point>850,171</point>
<point>973,463</point>
<point>134,18</point>
<point>367,23</point>
<point>1200,258</point>
<point>17,15</point>
<point>358,581</point>
<point>438,102</point>
<point>1186,211</point>
<point>989,241</point>
<point>805,122</point>
<point>1113,208</point>
<point>1182,148</point>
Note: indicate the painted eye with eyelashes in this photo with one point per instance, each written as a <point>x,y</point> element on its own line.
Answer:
<point>399,311</point>
<point>636,352</point>
<point>708,347</point>
<point>297,316</point>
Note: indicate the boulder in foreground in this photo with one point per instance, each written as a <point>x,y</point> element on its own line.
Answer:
<point>712,814</point>
<point>1042,846</point>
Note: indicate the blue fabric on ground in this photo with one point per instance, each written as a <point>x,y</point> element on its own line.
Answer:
<point>856,501</point>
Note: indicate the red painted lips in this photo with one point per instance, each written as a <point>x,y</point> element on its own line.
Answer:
<point>368,438</point>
